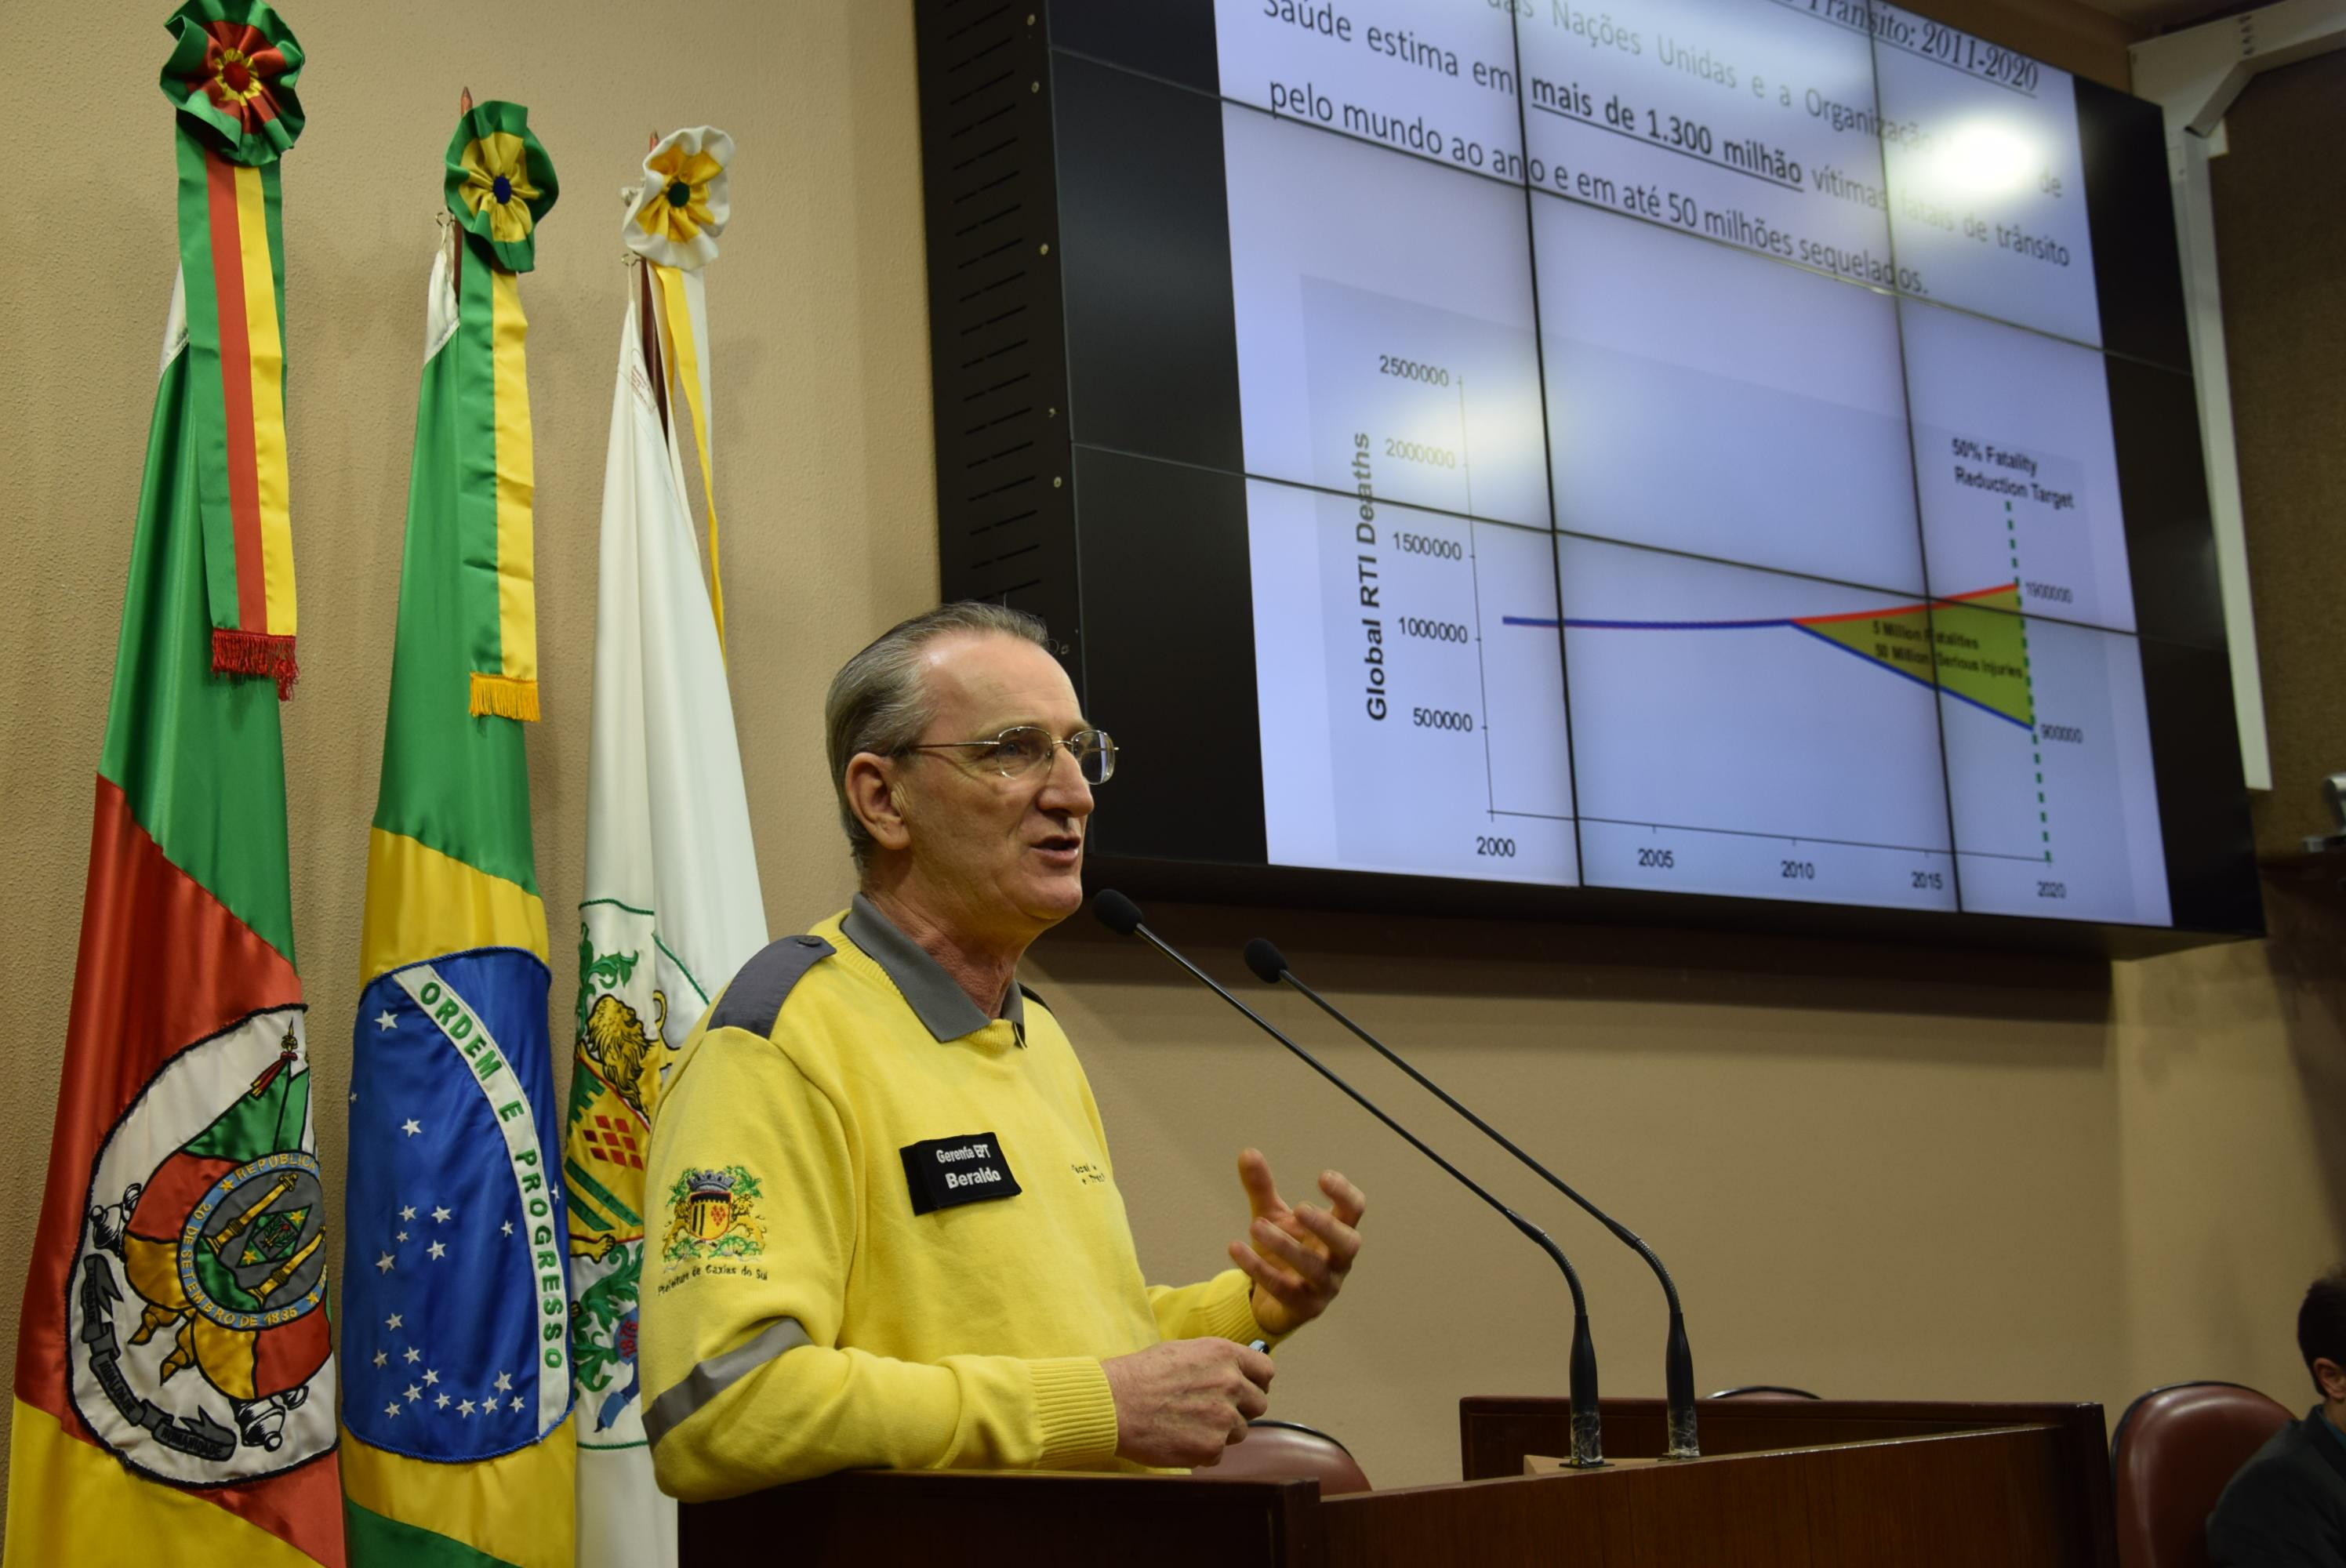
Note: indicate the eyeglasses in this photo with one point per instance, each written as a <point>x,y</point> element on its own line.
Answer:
<point>1025,749</point>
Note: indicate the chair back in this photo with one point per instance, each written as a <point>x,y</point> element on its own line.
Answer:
<point>1285,1451</point>
<point>2176,1448</point>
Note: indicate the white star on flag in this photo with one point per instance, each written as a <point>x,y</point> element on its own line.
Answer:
<point>464,1407</point>
<point>509,1228</point>
<point>440,1216</point>
<point>517,1401</point>
<point>407,1213</point>
<point>401,1236</point>
<point>505,1382</point>
<point>380,1358</point>
<point>430,1376</point>
<point>412,1355</point>
<point>440,1404</point>
<point>392,1408</point>
<point>394,1321</point>
<point>383,1020</point>
<point>410,1127</point>
<point>384,1263</point>
<point>439,1250</point>
<point>414,1393</point>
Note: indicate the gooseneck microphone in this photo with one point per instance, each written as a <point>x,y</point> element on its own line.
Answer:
<point>1121,915</point>
<point>1270,966</point>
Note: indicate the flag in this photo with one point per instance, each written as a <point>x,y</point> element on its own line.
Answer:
<point>671,908</point>
<point>175,1380</point>
<point>455,1329</point>
<point>674,218</point>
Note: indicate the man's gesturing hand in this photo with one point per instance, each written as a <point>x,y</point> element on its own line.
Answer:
<point>1185,1400</point>
<point>1299,1255</point>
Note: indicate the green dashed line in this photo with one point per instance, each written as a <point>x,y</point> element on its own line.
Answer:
<point>2028,666</point>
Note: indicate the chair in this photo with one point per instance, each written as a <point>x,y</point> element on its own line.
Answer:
<point>1764,1392</point>
<point>1286,1451</point>
<point>2176,1448</point>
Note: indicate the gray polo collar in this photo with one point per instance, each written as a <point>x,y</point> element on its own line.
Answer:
<point>936,998</point>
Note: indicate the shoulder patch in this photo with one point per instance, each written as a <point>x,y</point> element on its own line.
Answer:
<point>754,1001</point>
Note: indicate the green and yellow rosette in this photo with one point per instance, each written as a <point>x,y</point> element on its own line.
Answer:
<point>501,184</point>
<point>230,78</point>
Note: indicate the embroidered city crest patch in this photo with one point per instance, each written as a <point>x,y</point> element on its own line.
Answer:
<point>713,1214</point>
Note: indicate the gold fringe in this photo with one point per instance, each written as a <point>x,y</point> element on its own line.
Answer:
<point>502,697</point>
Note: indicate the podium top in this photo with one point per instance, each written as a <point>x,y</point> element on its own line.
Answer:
<point>1821,1484</point>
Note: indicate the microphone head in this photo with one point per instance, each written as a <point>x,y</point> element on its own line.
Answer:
<point>1267,961</point>
<point>1116,911</point>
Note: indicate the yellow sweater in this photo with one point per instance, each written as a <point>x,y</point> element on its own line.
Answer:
<point>884,1231</point>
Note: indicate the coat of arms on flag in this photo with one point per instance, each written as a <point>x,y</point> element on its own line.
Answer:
<point>195,1310</point>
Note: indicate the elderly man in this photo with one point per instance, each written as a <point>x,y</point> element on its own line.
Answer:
<point>885,1228</point>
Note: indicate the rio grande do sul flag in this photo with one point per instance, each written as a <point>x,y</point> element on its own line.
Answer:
<point>457,1448</point>
<point>175,1384</point>
<point>671,900</point>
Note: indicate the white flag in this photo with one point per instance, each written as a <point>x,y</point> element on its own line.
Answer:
<point>671,909</point>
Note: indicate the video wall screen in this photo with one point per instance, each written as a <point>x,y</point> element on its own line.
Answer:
<point>1702,446</point>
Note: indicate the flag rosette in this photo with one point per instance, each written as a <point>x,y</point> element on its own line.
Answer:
<point>501,184</point>
<point>674,217</point>
<point>231,73</point>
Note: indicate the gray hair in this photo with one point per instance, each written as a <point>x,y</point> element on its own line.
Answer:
<point>879,702</point>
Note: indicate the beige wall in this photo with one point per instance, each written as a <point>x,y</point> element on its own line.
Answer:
<point>1878,1172</point>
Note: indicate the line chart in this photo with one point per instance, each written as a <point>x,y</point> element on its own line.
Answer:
<point>1973,646</point>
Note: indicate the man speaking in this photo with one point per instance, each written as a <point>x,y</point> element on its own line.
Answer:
<point>884,1227</point>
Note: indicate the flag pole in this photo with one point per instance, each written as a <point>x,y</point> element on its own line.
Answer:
<point>654,361</point>
<point>456,260</point>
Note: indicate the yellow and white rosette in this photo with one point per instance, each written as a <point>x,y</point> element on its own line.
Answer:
<point>674,218</point>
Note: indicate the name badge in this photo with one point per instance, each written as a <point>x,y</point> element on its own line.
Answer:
<point>945,1172</point>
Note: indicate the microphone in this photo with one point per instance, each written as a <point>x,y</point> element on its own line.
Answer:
<point>1121,915</point>
<point>1678,1360</point>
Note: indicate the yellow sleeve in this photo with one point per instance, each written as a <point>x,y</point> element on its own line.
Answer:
<point>751,1193</point>
<point>1221,1308</point>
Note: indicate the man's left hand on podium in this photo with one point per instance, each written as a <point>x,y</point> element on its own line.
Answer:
<point>1299,1255</point>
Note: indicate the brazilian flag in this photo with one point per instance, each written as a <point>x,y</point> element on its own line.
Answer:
<point>460,1449</point>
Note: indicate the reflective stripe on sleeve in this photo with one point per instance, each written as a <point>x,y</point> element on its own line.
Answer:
<point>719,1373</point>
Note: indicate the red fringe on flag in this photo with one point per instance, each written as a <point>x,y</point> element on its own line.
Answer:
<point>255,653</point>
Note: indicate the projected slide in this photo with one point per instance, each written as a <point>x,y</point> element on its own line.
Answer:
<point>1748,123</point>
<point>1737,732</point>
<point>2013,459</point>
<point>1620,513</point>
<point>1721,404</point>
<point>1405,727</point>
<point>1987,185</point>
<point>1418,334</point>
<point>2055,811</point>
<point>1432,78</point>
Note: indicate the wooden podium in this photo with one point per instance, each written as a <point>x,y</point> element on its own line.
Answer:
<point>1816,1484</point>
